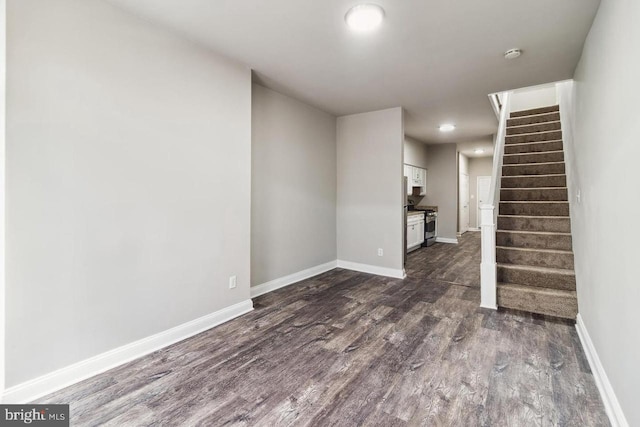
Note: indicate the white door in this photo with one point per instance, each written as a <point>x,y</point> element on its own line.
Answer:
<point>484,186</point>
<point>464,203</point>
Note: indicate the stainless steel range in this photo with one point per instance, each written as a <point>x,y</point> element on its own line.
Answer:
<point>430,227</point>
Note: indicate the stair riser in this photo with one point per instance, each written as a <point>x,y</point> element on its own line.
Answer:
<point>535,111</point>
<point>523,159</point>
<point>558,225</point>
<point>533,181</point>
<point>533,241</point>
<point>533,128</point>
<point>540,279</point>
<point>547,194</point>
<point>541,118</point>
<point>533,169</point>
<point>534,137</point>
<point>539,147</point>
<point>538,259</point>
<point>534,209</point>
<point>529,300</point>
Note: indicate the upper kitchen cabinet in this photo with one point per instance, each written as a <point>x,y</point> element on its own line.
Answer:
<point>416,177</point>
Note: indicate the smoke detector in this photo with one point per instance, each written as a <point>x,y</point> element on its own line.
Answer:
<point>512,53</point>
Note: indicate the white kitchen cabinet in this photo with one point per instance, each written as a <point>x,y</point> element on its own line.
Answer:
<point>408,172</point>
<point>416,177</point>
<point>422,181</point>
<point>415,231</point>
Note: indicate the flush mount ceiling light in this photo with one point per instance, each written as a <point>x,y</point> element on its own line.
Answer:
<point>478,151</point>
<point>364,17</point>
<point>446,127</point>
<point>512,53</point>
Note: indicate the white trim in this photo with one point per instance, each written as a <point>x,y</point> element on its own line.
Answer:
<point>611,404</point>
<point>446,240</point>
<point>290,279</point>
<point>41,386</point>
<point>372,269</point>
<point>473,229</point>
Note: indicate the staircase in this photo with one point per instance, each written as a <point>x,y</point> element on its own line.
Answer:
<point>533,241</point>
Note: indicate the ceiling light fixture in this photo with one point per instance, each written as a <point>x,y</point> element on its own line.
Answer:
<point>478,151</point>
<point>364,17</point>
<point>447,127</point>
<point>512,53</point>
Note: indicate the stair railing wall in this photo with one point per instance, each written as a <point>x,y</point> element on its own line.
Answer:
<point>489,216</point>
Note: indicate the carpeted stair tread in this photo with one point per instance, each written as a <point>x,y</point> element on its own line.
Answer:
<point>533,128</point>
<point>535,118</point>
<point>554,258</point>
<point>552,302</point>
<point>535,157</point>
<point>534,223</point>
<point>534,240</point>
<point>559,194</point>
<point>534,181</point>
<point>548,251</point>
<point>541,277</point>
<point>552,135</point>
<point>533,147</point>
<point>535,111</point>
<point>541,233</point>
<point>548,168</point>
<point>532,208</point>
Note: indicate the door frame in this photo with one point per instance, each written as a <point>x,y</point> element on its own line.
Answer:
<point>460,204</point>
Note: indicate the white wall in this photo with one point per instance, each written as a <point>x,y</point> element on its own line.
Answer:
<point>370,188</point>
<point>605,234</point>
<point>128,182</point>
<point>415,152</point>
<point>478,166</point>
<point>442,187</point>
<point>293,186</point>
<point>536,97</point>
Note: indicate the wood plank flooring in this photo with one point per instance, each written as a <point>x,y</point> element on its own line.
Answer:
<point>353,349</point>
<point>446,262</point>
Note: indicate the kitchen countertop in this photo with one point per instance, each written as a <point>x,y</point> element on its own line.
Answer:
<point>411,213</point>
<point>431,208</point>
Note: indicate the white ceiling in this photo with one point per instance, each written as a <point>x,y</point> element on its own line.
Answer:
<point>469,148</point>
<point>436,58</point>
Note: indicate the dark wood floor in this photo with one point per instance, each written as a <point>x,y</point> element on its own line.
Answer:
<point>445,262</point>
<point>347,349</point>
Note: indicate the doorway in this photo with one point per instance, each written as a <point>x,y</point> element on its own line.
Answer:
<point>484,185</point>
<point>464,203</point>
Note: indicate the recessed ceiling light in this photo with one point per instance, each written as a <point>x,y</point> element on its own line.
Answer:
<point>478,151</point>
<point>447,127</point>
<point>512,53</point>
<point>364,17</point>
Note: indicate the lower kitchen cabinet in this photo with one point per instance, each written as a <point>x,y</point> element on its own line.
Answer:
<point>415,231</point>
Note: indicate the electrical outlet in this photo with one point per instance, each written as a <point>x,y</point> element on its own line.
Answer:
<point>380,252</point>
<point>232,282</point>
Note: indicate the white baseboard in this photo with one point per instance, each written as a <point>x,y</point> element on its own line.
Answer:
<point>281,282</point>
<point>446,240</point>
<point>41,386</point>
<point>611,404</point>
<point>372,269</point>
<point>473,229</point>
